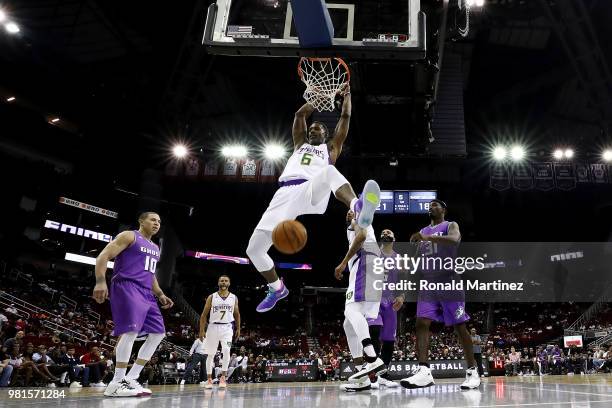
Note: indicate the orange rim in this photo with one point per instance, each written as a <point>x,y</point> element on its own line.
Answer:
<point>340,61</point>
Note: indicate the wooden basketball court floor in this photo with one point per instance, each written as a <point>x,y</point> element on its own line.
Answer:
<point>549,391</point>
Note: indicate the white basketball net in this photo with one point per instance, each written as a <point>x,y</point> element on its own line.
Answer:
<point>324,79</point>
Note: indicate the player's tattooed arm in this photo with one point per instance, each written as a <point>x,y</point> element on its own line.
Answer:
<point>299,125</point>
<point>342,127</point>
<point>356,245</point>
<point>237,319</point>
<point>204,317</point>
<point>112,249</point>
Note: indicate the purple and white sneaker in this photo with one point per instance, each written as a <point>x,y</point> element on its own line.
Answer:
<point>367,204</point>
<point>272,297</point>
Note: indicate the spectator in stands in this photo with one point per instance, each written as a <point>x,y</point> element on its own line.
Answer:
<point>41,357</point>
<point>259,369</point>
<point>97,365</point>
<point>28,356</point>
<point>242,364</point>
<point>197,357</point>
<point>17,340</point>
<point>6,370</point>
<point>542,361</point>
<point>598,358</point>
<point>151,373</point>
<point>513,362</point>
<point>11,309</point>
<point>607,366</point>
<point>75,369</point>
<point>3,321</point>
<point>477,342</point>
<point>556,360</point>
<point>24,368</point>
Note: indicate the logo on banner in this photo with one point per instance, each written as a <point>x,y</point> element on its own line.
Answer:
<point>583,175</point>
<point>543,176</point>
<point>88,207</point>
<point>249,170</point>
<point>192,168</point>
<point>500,177</point>
<point>599,173</point>
<point>230,167</point>
<point>564,176</point>
<point>522,177</point>
<point>211,168</point>
<point>81,232</point>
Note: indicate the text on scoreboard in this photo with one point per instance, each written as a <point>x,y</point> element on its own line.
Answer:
<point>405,201</point>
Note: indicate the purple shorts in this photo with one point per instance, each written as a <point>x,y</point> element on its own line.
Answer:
<point>134,309</point>
<point>450,313</point>
<point>387,318</point>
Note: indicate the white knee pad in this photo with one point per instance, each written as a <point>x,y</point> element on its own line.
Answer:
<point>257,251</point>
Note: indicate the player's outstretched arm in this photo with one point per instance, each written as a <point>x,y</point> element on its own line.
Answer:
<point>204,317</point>
<point>342,127</point>
<point>237,319</point>
<point>357,244</point>
<point>299,124</point>
<point>112,249</point>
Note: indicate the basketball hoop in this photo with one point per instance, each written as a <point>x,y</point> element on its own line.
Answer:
<point>324,79</point>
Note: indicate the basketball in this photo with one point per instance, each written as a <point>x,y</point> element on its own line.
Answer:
<point>289,236</point>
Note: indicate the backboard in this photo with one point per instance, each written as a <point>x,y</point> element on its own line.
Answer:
<point>364,29</point>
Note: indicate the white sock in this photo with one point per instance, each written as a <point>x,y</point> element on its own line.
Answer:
<point>276,285</point>
<point>119,374</point>
<point>369,351</point>
<point>353,201</point>
<point>134,372</point>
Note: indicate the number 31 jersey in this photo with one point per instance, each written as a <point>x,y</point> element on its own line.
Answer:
<point>306,162</point>
<point>222,309</point>
<point>137,262</point>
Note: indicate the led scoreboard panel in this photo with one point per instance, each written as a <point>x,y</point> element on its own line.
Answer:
<point>405,202</point>
<point>386,203</point>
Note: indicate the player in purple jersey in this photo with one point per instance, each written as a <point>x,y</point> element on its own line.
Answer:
<point>133,306</point>
<point>440,239</point>
<point>384,327</point>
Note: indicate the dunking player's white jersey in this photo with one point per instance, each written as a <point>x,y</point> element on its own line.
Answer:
<point>306,162</point>
<point>222,309</point>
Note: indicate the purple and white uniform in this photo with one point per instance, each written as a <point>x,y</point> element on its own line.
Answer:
<point>361,287</point>
<point>133,305</point>
<point>387,317</point>
<point>451,312</point>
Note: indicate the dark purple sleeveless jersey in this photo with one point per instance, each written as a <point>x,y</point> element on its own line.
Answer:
<point>137,262</point>
<point>429,248</point>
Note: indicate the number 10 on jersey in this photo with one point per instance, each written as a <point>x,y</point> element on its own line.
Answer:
<point>150,264</point>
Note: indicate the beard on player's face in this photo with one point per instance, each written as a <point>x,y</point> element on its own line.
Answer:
<point>387,238</point>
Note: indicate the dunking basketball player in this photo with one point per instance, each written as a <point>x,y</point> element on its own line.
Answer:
<point>133,306</point>
<point>305,185</point>
<point>362,302</point>
<point>440,239</point>
<point>383,328</point>
<point>222,306</point>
